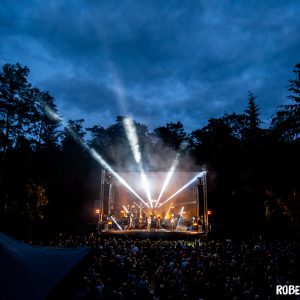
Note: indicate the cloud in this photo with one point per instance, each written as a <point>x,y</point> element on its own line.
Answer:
<point>174,61</point>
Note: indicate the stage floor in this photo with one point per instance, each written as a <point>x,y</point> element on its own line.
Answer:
<point>153,234</point>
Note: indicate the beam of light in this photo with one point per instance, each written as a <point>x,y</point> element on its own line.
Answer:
<point>117,86</point>
<point>132,137</point>
<point>54,116</point>
<point>116,223</point>
<point>181,212</point>
<point>51,114</point>
<point>127,211</point>
<point>168,177</point>
<point>168,211</point>
<point>174,165</point>
<point>101,161</point>
<point>183,188</point>
<point>136,204</point>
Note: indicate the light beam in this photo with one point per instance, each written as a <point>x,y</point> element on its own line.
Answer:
<point>168,211</point>
<point>99,158</point>
<point>168,177</point>
<point>132,137</point>
<point>116,223</point>
<point>127,211</point>
<point>183,188</point>
<point>182,147</point>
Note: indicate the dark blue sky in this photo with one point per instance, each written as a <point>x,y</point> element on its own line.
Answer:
<point>159,61</point>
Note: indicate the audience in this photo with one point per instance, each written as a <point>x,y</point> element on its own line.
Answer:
<point>203,269</point>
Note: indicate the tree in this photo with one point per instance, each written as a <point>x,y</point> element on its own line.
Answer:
<point>100,138</point>
<point>44,126</point>
<point>285,124</point>
<point>252,130</point>
<point>74,131</point>
<point>173,134</point>
<point>15,105</point>
<point>294,86</point>
<point>112,142</point>
<point>35,198</point>
<point>237,124</point>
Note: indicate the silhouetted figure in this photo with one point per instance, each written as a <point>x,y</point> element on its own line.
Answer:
<point>149,223</point>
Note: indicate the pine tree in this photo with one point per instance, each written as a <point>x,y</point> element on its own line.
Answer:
<point>252,130</point>
<point>294,86</point>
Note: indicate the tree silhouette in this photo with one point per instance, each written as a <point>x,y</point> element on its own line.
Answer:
<point>172,134</point>
<point>15,105</point>
<point>252,130</point>
<point>286,122</point>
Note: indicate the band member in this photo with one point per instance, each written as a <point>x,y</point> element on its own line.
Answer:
<point>158,223</point>
<point>149,223</point>
<point>173,222</point>
<point>130,221</point>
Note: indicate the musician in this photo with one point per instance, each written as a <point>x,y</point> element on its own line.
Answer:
<point>149,223</point>
<point>172,222</point>
<point>158,223</point>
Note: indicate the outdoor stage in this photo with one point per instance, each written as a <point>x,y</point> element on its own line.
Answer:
<point>178,207</point>
<point>153,234</point>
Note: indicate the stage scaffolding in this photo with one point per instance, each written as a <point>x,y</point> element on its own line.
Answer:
<point>200,198</point>
<point>106,195</point>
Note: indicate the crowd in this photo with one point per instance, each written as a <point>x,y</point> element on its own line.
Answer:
<point>203,269</point>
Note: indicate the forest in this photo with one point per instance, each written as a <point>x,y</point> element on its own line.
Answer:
<point>49,182</point>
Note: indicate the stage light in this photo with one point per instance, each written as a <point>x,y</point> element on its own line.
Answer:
<point>98,211</point>
<point>183,188</point>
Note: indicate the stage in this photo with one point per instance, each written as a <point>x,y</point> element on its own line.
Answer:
<point>153,234</point>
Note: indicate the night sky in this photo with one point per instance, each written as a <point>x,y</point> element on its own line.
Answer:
<point>158,61</point>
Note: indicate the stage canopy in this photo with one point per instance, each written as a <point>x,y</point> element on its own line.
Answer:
<point>31,272</point>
